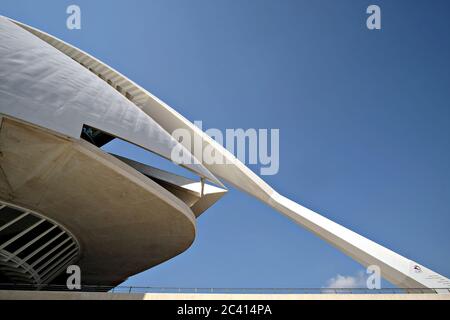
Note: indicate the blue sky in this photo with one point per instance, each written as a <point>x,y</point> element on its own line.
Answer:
<point>364,121</point>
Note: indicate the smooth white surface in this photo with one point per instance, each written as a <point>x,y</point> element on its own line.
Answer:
<point>394,267</point>
<point>124,222</point>
<point>41,85</point>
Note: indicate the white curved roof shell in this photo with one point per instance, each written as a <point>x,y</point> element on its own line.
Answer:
<point>49,89</point>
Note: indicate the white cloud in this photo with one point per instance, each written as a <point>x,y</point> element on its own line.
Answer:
<point>339,281</point>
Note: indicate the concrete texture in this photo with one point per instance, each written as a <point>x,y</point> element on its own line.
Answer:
<point>45,87</point>
<point>125,222</point>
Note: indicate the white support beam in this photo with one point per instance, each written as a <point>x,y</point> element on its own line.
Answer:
<point>53,258</point>
<point>399,270</point>
<point>7,243</point>
<point>49,253</point>
<point>15,253</point>
<point>60,262</point>
<point>6,225</point>
<point>41,248</point>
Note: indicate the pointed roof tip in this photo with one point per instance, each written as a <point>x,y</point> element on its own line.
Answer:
<point>217,182</point>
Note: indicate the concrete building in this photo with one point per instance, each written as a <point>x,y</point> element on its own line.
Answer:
<point>65,201</point>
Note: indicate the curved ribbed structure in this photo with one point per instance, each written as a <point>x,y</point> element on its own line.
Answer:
<point>55,114</point>
<point>33,249</point>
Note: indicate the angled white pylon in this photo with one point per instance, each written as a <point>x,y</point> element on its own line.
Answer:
<point>397,269</point>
